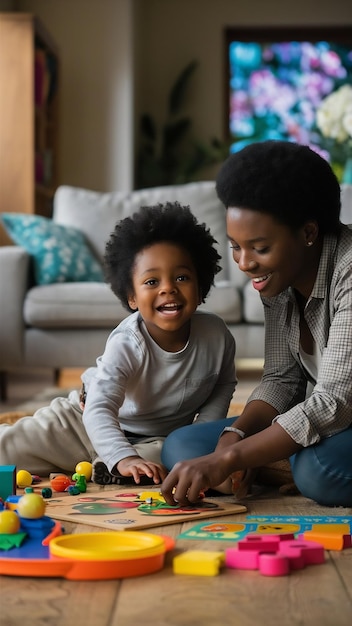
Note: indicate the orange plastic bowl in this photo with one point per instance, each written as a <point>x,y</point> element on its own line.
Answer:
<point>106,555</point>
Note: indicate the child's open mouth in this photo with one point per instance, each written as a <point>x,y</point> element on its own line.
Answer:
<point>171,307</point>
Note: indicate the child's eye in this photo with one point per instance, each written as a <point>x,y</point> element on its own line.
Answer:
<point>151,281</point>
<point>182,278</point>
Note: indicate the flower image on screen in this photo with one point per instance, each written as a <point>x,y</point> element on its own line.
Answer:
<point>276,86</point>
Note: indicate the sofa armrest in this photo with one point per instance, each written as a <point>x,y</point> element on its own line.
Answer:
<point>14,273</point>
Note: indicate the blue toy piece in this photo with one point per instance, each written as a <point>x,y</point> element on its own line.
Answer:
<point>47,492</point>
<point>7,481</point>
<point>73,490</point>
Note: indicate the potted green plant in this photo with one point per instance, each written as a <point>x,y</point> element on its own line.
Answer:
<point>170,154</point>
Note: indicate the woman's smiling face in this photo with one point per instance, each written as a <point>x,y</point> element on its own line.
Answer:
<point>272,255</point>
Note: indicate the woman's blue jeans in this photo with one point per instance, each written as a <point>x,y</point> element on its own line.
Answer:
<point>322,472</point>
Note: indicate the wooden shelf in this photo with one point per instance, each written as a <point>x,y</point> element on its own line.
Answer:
<point>29,68</point>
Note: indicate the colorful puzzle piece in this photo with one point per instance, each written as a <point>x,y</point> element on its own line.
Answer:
<point>198,563</point>
<point>151,496</point>
<point>330,541</point>
<point>263,543</point>
<point>274,555</point>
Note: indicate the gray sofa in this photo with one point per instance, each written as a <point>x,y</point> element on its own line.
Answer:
<point>66,324</point>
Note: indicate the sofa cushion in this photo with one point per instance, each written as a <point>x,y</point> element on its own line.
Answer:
<point>59,253</point>
<point>93,212</point>
<point>68,305</point>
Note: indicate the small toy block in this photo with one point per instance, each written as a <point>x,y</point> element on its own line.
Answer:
<point>11,502</point>
<point>258,542</point>
<point>301,553</point>
<point>7,481</point>
<point>151,495</point>
<point>294,556</point>
<point>264,543</point>
<point>330,541</point>
<point>198,563</point>
<point>241,559</point>
<point>273,565</point>
<point>281,536</point>
<point>289,554</point>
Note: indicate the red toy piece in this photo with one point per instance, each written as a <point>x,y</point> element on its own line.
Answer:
<point>60,482</point>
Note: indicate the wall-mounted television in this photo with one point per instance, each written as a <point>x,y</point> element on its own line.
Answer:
<point>276,79</point>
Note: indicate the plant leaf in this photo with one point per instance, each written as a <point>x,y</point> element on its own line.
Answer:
<point>179,88</point>
<point>148,127</point>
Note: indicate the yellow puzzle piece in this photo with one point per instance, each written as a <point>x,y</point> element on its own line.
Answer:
<point>198,563</point>
<point>151,495</point>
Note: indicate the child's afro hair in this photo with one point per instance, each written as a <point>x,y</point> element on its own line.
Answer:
<point>153,224</point>
<point>289,181</point>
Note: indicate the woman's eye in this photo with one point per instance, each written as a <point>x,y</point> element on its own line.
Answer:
<point>262,250</point>
<point>234,247</point>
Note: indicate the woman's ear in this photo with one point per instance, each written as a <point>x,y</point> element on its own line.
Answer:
<point>310,233</point>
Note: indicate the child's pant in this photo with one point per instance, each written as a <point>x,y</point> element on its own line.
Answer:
<point>55,440</point>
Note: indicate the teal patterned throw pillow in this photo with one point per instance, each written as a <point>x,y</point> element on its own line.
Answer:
<point>60,253</point>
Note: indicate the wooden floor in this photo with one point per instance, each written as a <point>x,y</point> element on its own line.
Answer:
<point>318,595</point>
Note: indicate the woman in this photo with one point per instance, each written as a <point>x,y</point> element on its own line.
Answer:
<point>283,207</point>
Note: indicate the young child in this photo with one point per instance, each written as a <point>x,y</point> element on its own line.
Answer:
<point>165,366</point>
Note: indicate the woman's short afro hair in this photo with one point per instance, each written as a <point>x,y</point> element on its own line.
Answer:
<point>154,224</point>
<point>289,181</point>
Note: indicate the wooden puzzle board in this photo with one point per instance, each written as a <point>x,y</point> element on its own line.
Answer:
<point>123,510</point>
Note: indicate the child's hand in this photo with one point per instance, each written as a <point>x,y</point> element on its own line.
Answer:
<point>82,397</point>
<point>135,466</point>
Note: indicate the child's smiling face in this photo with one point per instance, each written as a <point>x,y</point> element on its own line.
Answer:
<point>166,292</point>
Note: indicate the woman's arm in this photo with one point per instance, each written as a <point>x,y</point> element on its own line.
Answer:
<point>187,479</point>
<point>256,416</point>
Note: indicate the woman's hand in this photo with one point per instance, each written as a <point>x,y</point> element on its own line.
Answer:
<point>187,479</point>
<point>136,467</point>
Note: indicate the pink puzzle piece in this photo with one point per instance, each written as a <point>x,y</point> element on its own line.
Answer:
<point>301,553</point>
<point>264,543</point>
<point>273,565</point>
<point>274,555</point>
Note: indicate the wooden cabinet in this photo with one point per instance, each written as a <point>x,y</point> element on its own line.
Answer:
<point>29,90</point>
